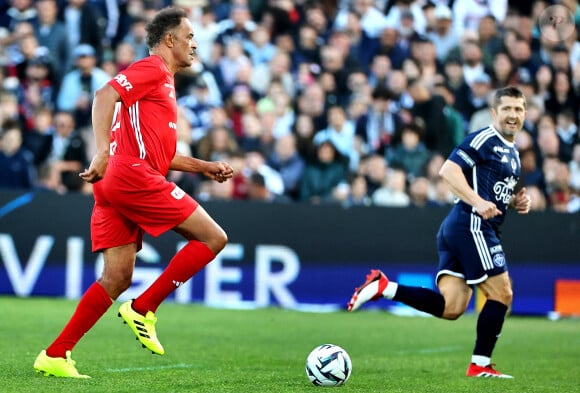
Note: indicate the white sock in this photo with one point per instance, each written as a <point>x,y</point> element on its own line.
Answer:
<point>390,290</point>
<point>481,361</point>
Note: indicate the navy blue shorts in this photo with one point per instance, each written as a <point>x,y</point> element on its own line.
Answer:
<point>469,248</point>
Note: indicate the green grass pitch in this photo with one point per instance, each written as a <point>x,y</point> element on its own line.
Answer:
<point>264,350</point>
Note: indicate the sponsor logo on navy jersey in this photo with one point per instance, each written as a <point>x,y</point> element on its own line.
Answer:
<point>503,189</point>
<point>496,249</point>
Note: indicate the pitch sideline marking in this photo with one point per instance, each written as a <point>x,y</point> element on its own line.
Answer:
<point>150,368</point>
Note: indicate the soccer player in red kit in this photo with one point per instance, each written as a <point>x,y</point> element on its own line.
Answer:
<point>136,147</point>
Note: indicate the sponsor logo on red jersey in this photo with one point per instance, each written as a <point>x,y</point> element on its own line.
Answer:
<point>123,82</point>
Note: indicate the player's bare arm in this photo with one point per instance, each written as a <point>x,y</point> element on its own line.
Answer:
<point>102,116</point>
<point>454,177</point>
<point>219,171</point>
<point>521,202</point>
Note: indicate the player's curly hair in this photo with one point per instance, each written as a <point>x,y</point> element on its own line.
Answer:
<point>165,20</point>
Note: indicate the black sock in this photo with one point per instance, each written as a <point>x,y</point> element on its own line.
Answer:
<point>422,299</point>
<point>489,324</point>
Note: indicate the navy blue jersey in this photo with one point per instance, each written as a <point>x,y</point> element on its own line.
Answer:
<point>469,246</point>
<point>491,165</point>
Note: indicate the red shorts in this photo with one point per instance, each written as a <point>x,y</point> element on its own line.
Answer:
<point>132,198</point>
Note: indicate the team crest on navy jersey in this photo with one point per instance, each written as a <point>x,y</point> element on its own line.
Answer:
<point>499,259</point>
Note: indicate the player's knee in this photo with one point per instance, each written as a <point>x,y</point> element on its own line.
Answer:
<point>453,309</point>
<point>453,314</point>
<point>507,296</point>
<point>219,241</point>
<point>503,294</point>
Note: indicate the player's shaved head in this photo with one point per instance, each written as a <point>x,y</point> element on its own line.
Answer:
<point>166,20</point>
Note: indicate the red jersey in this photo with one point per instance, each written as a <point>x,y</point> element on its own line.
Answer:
<point>145,126</point>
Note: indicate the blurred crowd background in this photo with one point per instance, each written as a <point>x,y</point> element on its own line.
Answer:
<point>316,101</point>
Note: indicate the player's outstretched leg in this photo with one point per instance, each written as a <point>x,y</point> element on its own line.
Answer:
<point>57,367</point>
<point>142,326</point>
<point>485,372</point>
<point>371,289</point>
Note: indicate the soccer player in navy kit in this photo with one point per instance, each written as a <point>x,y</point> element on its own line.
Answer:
<point>482,172</point>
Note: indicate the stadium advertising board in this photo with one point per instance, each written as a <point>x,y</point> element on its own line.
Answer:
<point>293,256</point>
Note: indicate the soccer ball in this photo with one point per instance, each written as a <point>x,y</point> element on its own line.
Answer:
<point>328,365</point>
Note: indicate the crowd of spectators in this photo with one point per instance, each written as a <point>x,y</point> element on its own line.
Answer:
<point>319,101</point>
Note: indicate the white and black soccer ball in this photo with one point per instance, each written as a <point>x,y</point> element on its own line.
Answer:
<point>328,365</point>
